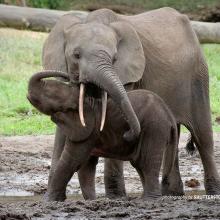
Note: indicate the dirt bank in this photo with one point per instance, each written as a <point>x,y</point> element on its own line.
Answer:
<point>24,168</point>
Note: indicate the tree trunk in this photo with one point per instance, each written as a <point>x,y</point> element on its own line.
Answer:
<point>35,19</point>
<point>43,20</point>
<point>207,32</point>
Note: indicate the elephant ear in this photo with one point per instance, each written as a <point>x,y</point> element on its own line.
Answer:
<point>53,56</point>
<point>130,61</point>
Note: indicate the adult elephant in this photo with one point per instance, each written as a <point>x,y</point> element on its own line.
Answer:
<point>156,50</point>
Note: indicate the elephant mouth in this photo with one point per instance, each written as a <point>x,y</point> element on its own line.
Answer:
<point>94,91</point>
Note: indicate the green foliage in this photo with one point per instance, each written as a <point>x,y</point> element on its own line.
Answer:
<point>183,5</point>
<point>20,56</point>
<point>131,6</point>
<point>52,4</point>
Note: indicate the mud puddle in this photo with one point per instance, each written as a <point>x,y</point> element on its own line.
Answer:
<point>24,168</point>
<point>18,196</point>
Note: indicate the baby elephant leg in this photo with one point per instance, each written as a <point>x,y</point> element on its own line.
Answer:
<point>73,156</point>
<point>86,175</point>
<point>148,162</point>
<point>171,181</point>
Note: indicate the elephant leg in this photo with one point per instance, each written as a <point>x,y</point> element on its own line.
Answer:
<point>86,175</point>
<point>204,143</point>
<point>114,179</point>
<point>148,162</point>
<point>57,151</point>
<point>72,157</point>
<point>172,183</point>
<point>140,173</point>
<point>201,130</point>
<point>150,183</point>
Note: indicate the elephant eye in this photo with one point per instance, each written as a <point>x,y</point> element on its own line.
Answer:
<point>76,54</point>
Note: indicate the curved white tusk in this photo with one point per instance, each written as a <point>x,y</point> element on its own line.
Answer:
<point>81,101</point>
<point>104,108</point>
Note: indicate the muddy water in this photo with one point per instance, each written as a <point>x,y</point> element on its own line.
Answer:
<point>18,196</point>
<point>24,169</point>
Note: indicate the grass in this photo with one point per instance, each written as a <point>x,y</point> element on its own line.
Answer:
<point>20,56</point>
<point>212,53</point>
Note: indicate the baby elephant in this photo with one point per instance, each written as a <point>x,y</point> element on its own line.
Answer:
<point>158,138</point>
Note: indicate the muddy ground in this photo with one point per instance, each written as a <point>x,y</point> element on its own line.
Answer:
<point>24,168</point>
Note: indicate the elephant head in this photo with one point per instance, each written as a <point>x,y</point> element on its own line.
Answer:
<point>102,54</point>
<point>50,96</point>
<point>60,101</point>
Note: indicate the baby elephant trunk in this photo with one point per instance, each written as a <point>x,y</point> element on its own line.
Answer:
<point>36,84</point>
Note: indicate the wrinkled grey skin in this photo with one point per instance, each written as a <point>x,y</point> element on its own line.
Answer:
<point>48,95</point>
<point>156,50</point>
<point>85,144</point>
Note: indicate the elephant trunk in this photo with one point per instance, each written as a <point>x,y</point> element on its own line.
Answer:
<point>112,84</point>
<point>36,83</point>
<point>36,78</point>
<point>106,78</point>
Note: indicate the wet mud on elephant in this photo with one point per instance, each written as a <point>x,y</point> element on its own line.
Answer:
<point>157,51</point>
<point>84,145</point>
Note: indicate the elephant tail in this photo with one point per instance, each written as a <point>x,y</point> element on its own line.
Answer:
<point>191,146</point>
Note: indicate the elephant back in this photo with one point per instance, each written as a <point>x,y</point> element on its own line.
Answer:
<point>104,16</point>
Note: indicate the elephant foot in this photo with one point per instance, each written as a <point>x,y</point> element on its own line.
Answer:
<point>212,186</point>
<point>114,187</point>
<point>168,192</point>
<point>88,194</point>
<point>114,194</point>
<point>172,188</point>
<point>50,197</point>
<point>114,179</point>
